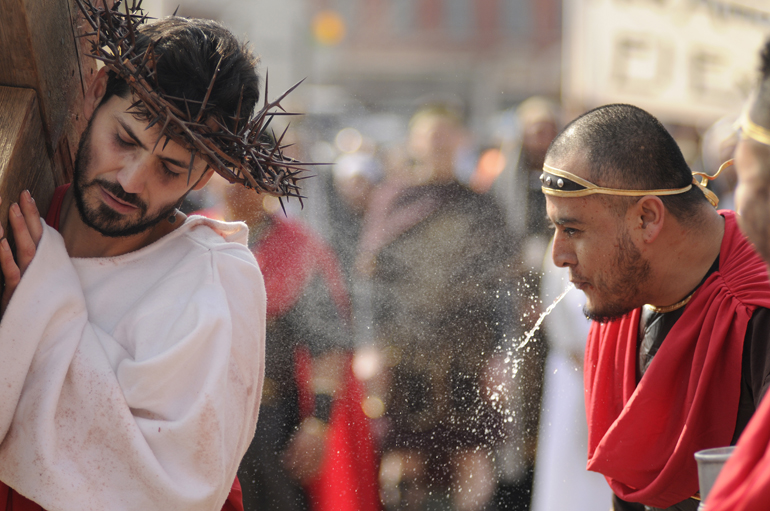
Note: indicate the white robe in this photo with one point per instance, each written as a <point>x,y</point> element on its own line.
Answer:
<point>133,382</point>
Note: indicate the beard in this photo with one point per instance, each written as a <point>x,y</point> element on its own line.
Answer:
<point>100,217</point>
<point>622,293</point>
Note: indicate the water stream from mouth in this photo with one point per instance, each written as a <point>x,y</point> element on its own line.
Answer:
<point>542,317</point>
<point>503,393</point>
<point>514,356</point>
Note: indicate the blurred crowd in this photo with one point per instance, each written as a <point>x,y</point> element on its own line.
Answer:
<point>404,367</point>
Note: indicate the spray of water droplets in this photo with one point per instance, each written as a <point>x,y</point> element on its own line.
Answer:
<point>542,317</point>
<point>515,359</point>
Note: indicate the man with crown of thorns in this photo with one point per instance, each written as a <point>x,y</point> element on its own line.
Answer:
<point>678,355</point>
<point>132,337</point>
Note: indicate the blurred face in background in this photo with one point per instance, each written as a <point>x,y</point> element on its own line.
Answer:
<point>752,195</point>
<point>354,190</point>
<point>355,176</point>
<point>433,142</point>
<point>537,136</point>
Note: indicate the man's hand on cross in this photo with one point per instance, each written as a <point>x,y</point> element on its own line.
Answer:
<point>24,219</point>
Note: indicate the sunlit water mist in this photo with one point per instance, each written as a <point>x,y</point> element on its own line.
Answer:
<point>503,394</point>
<point>542,317</point>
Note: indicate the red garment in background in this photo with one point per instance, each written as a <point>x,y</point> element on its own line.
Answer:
<point>293,254</point>
<point>290,254</point>
<point>347,479</point>
<point>643,437</point>
<point>744,483</point>
<point>12,501</point>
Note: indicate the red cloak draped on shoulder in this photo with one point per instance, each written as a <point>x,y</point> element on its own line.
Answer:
<point>744,483</point>
<point>642,438</point>
<point>12,501</point>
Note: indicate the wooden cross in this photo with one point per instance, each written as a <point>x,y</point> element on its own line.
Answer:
<point>44,72</point>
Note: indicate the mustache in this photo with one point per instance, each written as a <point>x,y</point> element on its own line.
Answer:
<point>117,190</point>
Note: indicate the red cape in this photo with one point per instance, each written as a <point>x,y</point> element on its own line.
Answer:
<point>643,437</point>
<point>744,483</point>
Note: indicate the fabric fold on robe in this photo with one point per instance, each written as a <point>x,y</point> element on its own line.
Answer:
<point>85,347</point>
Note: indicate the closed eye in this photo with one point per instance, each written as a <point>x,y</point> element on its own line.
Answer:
<point>123,143</point>
<point>167,171</point>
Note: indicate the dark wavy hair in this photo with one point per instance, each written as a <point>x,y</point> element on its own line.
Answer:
<point>188,51</point>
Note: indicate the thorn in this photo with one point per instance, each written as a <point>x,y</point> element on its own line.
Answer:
<point>160,135</point>
<point>208,91</point>
<point>152,123</point>
<point>237,117</point>
<point>190,167</point>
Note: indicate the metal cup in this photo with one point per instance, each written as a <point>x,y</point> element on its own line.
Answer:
<point>710,463</point>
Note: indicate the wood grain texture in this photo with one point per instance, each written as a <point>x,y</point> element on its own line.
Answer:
<point>39,50</point>
<point>24,163</point>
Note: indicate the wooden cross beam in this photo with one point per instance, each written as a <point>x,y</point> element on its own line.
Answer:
<point>43,77</point>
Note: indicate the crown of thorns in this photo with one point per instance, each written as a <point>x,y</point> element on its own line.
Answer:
<point>249,154</point>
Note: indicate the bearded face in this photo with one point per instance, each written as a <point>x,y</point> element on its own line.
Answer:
<point>123,184</point>
<point>615,291</point>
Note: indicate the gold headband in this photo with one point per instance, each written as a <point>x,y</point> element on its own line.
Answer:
<point>753,131</point>
<point>561,183</point>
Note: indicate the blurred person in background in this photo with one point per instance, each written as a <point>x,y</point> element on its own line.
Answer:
<point>561,478</point>
<point>678,355</point>
<point>304,456</point>
<point>355,175</point>
<point>718,146</point>
<point>537,120</point>
<point>511,174</point>
<point>438,257</point>
<point>744,482</point>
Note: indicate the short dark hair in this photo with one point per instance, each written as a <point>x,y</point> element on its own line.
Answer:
<point>760,111</point>
<point>629,148</point>
<point>187,52</point>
